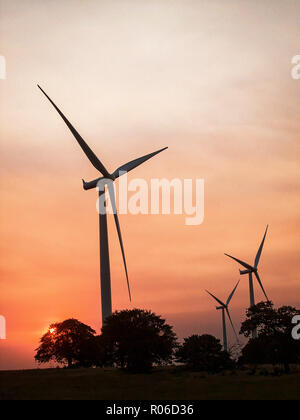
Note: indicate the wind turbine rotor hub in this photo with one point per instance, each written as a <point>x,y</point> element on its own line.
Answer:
<point>112,177</point>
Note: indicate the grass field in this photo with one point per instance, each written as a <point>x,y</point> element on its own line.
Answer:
<point>101,384</point>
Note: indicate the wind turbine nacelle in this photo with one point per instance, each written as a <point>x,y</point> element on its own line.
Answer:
<point>90,185</point>
<point>242,272</point>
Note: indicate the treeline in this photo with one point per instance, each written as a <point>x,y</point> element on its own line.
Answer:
<point>137,340</point>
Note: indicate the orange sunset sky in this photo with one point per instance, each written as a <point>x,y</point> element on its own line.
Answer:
<point>211,80</point>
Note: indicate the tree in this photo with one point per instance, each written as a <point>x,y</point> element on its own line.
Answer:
<point>69,342</point>
<point>136,339</point>
<point>92,353</point>
<point>268,320</point>
<point>203,353</point>
<point>274,343</point>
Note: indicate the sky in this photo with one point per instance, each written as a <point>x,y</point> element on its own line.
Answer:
<point>212,81</point>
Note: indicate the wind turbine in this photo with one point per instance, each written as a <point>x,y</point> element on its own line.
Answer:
<point>250,270</point>
<point>224,308</point>
<point>105,181</point>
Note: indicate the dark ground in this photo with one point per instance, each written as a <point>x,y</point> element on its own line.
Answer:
<point>101,384</point>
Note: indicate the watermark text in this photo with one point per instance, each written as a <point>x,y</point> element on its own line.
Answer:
<point>296,67</point>
<point>2,328</point>
<point>296,329</point>
<point>2,67</point>
<point>157,196</point>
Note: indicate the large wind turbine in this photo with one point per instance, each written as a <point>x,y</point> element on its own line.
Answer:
<point>250,270</point>
<point>224,308</point>
<point>105,181</point>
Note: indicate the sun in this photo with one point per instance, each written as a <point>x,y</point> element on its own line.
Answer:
<point>52,331</point>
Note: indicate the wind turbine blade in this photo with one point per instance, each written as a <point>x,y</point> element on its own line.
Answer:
<point>228,313</point>
<point>114,207</point>
<point>232,293</point>
<point>134,163</point>
<point>219,301</point>
<point>89,153</point>
<point>240,262</point>
<point>261,285</point>
<point>257,259</point>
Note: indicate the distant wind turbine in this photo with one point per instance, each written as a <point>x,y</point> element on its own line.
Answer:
<point>250,270</point>
<point>224,308</point>
<point>107,180</point>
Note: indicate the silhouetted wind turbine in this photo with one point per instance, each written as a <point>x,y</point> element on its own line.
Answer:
<point>224,307</point>
<point>106,180</point>
<point>250,270</point>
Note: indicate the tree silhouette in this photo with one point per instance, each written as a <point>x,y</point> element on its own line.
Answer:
<point>136,339</point>
<point>69,342</point>
<point>203,353</point>
<point>268,320</point>
<point>274,343</point>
